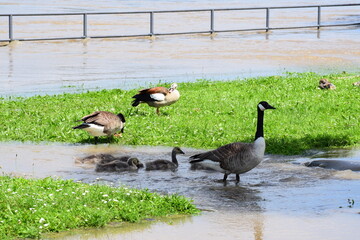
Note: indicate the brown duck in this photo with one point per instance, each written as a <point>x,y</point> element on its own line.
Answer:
<point>157,97</point>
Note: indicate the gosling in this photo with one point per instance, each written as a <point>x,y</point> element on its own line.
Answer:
<point>162,164</point>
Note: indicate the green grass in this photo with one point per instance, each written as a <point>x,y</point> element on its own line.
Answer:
<point>29,208</point>
<point>208,114</point>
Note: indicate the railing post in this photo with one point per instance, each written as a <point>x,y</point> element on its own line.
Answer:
<point>85,34</point>
<point>212,21</point>
<point>151,24</point>
<point>267,19</point>
<point>319,17</point>
<point>11,36</point>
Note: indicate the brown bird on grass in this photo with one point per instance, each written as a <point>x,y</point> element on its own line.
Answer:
<point>102,123</point>
<point>326,84</point>
<point>157,97</point>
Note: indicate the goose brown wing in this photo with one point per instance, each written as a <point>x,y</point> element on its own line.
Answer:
<point>162,90</point>
<point>91,117</point>
<point>102,118</point>
<point>220,154</point>
<point>145,94</point>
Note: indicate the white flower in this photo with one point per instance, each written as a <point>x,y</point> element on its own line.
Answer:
<point>41,220</point>
<point>105,195</point>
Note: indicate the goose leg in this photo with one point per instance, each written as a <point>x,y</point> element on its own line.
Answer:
<point>225,177</point>
<point>158,111</point>
<point>237,178</point>
<point>96,140</point>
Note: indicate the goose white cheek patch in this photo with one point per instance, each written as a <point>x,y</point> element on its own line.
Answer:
<point>261,107</point>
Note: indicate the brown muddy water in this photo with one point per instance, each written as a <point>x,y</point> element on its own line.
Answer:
<point>280,199</point>
<point>51,67</point>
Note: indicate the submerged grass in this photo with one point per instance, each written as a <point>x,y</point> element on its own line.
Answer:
<point>208,114</point>
<point>29,208</point>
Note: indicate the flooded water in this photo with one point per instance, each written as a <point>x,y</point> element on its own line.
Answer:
<point>50,67</point>
<point>281,198</point>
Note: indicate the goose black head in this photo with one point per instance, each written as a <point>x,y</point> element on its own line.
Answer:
<point>178,150</point>
<point>121,116</point>
<point>264,105</point>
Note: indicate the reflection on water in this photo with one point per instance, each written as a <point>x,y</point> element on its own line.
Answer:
<point>281,190</point>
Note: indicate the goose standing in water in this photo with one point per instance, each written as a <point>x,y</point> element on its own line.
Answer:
<point>157,97</point>
<point>162,164</point>
<point>238,157</point>
<point>102,123</point>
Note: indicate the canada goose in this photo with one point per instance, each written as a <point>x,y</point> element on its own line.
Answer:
<point>157,97</point>
<point>335,164</point>
<point>161,164</point>
<point>325,84</point>
<point>126,158</point>
<point>103,158</point>
<point>117,165</point>
<point>238,157</point>
<point>95,158</point>
<point>102,123</point>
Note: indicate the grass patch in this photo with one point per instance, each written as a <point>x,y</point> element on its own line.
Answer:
<point>209,114</point>
<point>29,208</point>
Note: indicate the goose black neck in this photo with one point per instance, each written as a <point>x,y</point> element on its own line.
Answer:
<point>173,157</point>
<point>260,124</point>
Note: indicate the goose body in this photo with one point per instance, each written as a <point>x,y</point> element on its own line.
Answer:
<point>157,97</point>
<point>102,157</point>
<point>237,157</point>
<point>102,123</point>
<point>117,165</point>
<point>162,164</point>
<point>326,84</point>
<point>95,158</point>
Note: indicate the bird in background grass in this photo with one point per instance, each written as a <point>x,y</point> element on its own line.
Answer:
<point>157,97</point>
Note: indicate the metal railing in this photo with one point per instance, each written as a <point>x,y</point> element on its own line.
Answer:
<point>151,14</point>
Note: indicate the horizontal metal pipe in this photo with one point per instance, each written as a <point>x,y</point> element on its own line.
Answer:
<point>184,10</point>
<point>179,33</point>
<point>212,30</point>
